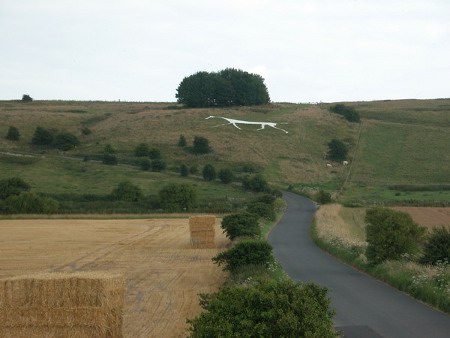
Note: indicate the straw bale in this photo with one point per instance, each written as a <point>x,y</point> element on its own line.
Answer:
<point>201,222</point>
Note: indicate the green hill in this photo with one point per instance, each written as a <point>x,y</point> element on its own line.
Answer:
<point>399,152</point>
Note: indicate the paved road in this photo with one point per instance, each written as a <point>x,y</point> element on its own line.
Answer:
<point>365,307</point>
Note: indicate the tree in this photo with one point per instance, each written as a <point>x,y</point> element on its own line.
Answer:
<point>201,145</point>
<point>437,246</point>
<point>145,164</point>
<point>241,225</point>
<point>209,172</point>
<point>158,165</point>
<point>109,156</point>
<point>182,141</point>
<point>26,98</point>
<point>177,197</point>
<point>256,183</point>
<point>64,140</point>
<point>264,210</point>
<point>127,191</point>
<point>266,309</point>
<point>337,150</point>
<point>245,252</point>
<point>226,176</point>
<point>29,203</point>
<point>12,186</point>
<point>323,197</point>
<point>141,150</point>
<point>154,153</point>
<point>390,235</point>
<point>184,171</point>
<point>13,134</point>
<point>43,136</point>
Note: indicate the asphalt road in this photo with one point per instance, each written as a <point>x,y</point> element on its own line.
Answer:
<point>365,307</point>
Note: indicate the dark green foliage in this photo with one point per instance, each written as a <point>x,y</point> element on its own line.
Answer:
<point>347,112</point>
<point>13,134</point>
<point>264,210</point>
<point>201,145</point>
<point>184,171</point>
<point>109,156</point>
<point>141,150</point>
<point>64,140</point>
<point>29,203</point>
<point>241,225</point>
<point>337,150</point>
<point>209,172</point>
<point>43,136</point>
<point>391,235</point>
<point>158,165</point>
<point>256,183</point>
<point>109,149</point>
<point>86,131</point>
<point>265,309</point>
<point>145,164</point>
<point>177,197</point>
<point>323,197</point>
<point>229,87</point>
<point>437,246</point>
<point>193,170</point>
<point>154,154</point>
<point>226,176</point>
<point>246,252</point>
<point>27,98</point>
<point>182,141</point>
<point>12,186</point>
<point>127,191</point>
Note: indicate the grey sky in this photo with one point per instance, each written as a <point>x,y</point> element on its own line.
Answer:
<point>135,50</point>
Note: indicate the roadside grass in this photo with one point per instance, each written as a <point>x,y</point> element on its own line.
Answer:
<point>430,284</point>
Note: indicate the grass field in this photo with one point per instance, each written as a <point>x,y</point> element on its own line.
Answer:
<point>163,274</point>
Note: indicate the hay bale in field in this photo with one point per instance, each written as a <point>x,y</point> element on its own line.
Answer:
<point>81,304</point>
<point>202,231</point>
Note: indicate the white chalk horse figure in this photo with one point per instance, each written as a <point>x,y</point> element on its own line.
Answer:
<point>236,122</point>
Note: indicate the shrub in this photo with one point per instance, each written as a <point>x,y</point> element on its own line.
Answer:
<point>184,171</point>
<point>154,154</point>
<point>64,140</point>
<point>193,170</point>
<point>29,203</point>
<point>265,309</point>
<point>177,197</point>
<point>158,165</point>
<point>256,183</point>
<point>145,164</point>
<point>182,141</point>
<point>201,145</point>
<point>209,172</point>
<point>391,235</point>
<point>337,150</point>
<point>127,191</point>
<point>141,150</point>
<point>27,98</point>
<point>109,159</point>
<point>437,246</point>
<point>241,225</point>
<point>86,131</point>
<point>226,176</point>
<point>109,149</point>
<point>323,197</point>
<point>12,186</point>
<point>347,112</point>
<point>246,252</point>
<point>13,134</point>
<point>43,136</point>
<point>262,209</point>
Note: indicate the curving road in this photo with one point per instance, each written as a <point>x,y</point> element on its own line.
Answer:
<point>365,307</point>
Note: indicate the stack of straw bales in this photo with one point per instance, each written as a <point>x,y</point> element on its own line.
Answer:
<point>82,304</point>
<point>202,231</point>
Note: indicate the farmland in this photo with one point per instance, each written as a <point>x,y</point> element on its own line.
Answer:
<point>163,274</point>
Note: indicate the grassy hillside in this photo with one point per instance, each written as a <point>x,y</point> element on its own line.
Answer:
<point>398,143</point>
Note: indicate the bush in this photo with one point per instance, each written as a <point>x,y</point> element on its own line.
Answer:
<point>141,150</point>
<point>246,252</point>
<point>43,136</point>
<point>86,131</point>
<point>262,209</point>
<point>256,183</point>
<point>13,134</point>
<point>391,235</point>
<point>182,141</point>
<point>29,203</point>
<point>193,170</point>
<point>347,112</point>
<point>127,191</point>
<point>145,164</point>
<point>323,197</point>
<point>154,154</point>
<point>184,171</point>
<point>226,176</point>
<point>201,145</point>
<point>158,165</point>
<point>265,309</point>
<point>27,98</point>
<point>109,149</point>
<point>437,246</point>
<point>12,186</point>
<point>209,172</point>
<point>109,159</point>
<point>337,150</point>
<point>241,225</point>
<point>177,197</point>
<point>64,140</point>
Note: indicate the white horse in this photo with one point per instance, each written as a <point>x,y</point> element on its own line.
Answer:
<point>236,122</point>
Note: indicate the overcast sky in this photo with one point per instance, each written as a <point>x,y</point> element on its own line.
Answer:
<point>307,51</point>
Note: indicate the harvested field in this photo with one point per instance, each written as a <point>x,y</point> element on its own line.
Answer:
<point>163,273</point>
<point>428,217</point>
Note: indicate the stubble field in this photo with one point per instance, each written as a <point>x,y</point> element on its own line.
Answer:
<point>163,273</point>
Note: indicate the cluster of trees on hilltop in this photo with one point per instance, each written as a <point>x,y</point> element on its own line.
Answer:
<point>228,87</point>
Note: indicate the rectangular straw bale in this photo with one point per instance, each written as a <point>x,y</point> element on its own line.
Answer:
<point>201,222</point>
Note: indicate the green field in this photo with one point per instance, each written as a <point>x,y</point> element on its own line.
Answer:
<point>401,142</point>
